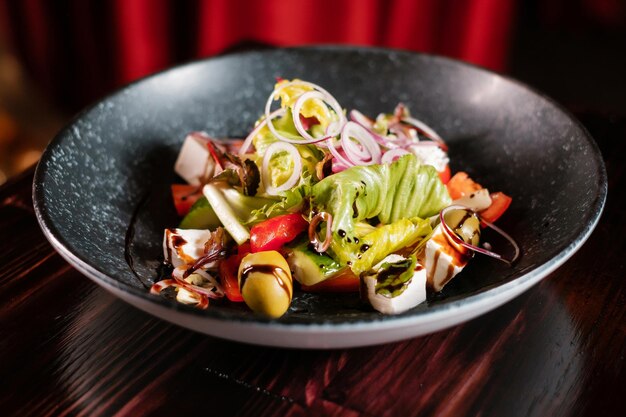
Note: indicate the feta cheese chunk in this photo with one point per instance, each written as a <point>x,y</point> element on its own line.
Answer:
<point>431,155</point>
<point>477,201</point>
<point>395,293</point>
<point>184,246</point>
<point>443,260</point>
<point>186,297</point>
<point>195,163</point>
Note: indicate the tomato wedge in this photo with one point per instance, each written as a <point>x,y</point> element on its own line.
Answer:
<point>228,270</point>
<point>228,273</point>
<point>461,185</point>
<point>184,196</point>
<point>307,122</point>
<point>445,174</point>
<point>273,233</point>
<point>499,203</point>
<point>344,282</point>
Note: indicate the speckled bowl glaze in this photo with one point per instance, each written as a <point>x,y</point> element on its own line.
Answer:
<point>112,166</point>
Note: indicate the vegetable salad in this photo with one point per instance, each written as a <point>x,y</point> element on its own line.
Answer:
<point>319,199</point>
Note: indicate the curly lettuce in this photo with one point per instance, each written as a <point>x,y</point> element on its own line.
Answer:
<point>389,192</point>
<point>311,108</point>
<point>397,196</point>
<point>362,254</point>
<point>291,201</point>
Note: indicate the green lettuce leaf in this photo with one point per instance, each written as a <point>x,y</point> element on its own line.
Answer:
<point>284,125</point>
<point>291,201</point>
<point>389,192</point>
<point>281,165</point>
<point>361,255</point>
<point>202,216</point>
<point>397,196</point>
<point>311,108</point>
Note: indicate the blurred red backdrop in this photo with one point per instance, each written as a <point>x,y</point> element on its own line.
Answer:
<point>77,50</point>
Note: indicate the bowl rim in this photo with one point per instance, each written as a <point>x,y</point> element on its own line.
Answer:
<point>503,291</point>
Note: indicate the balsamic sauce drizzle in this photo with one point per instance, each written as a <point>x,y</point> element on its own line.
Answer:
<point>130,235</point>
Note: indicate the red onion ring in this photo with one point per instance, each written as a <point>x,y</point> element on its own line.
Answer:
<point>426,130</point>
<point>157,287</point>
<point>458,241</point>
<point>215,292</point>
<point>310,95</point>
<point>282,138</point>
<point>365,151</point>
<point>248,141</point>
<point>338,167</point>
<point>314,238</point>
<point>359,118</point>
<point>392,155</point>
<point>297,167</point>
<point>328,98</point>
<point>340,159</point>
<point>332,101</point>
<point>203,300</point>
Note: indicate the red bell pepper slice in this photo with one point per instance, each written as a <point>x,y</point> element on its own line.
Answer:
<point>273,233</point>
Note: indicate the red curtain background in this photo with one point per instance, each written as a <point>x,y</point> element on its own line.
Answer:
<point>78,50</point>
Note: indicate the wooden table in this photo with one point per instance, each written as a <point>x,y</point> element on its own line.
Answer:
<point>67,347</point>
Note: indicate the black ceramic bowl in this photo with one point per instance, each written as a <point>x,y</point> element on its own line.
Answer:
<point>112,167</point>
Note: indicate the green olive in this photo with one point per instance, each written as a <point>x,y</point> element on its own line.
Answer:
<point>265,283</point>
<point>465,224</point>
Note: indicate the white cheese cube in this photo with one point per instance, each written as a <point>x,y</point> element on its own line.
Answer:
<point>431,155</point>
<point>186,297</point>
<point>413,294</point>
<point>476,201</point>
<point>194,163</point>
<point>184,246</point>
<point>443,260</point>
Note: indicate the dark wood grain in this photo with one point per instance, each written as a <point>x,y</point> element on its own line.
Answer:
<point>68,348</point>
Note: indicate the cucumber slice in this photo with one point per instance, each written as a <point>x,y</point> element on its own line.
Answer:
<point>310,267</point>
<point>200,216</point>
<point>225,214</point>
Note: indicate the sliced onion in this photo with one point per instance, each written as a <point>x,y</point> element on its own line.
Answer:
<point>426,131</point>
<point>386,141</point>
<point>217,290</point>
<point>333,128</point>
<point>458,241</point>
<point>399,131</point>
<point>338,166</point>
<point>297,167</point>
<point>248,141</point>
<point>338,157</point>
<point>297,107</point>
<point>314,238</point>
<point>359,118</point>
<point>203,300</point>
<point>214,291</point>
<point>327,97</point>
<point>392,155</point>
<point>157,287</point>
<point>359,145</point>
<point>505,235</point>
<point>330,100</point>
